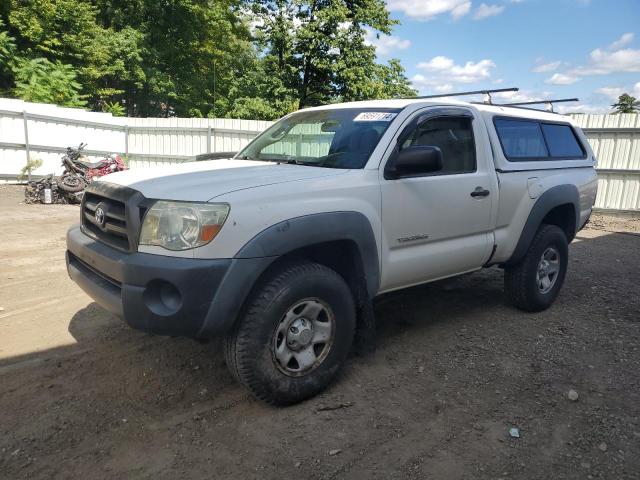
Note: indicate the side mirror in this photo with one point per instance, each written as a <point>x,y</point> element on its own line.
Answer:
<point>414,161</point>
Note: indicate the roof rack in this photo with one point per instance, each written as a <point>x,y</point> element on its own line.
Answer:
<point>487,94</point>
<point>548,103</point>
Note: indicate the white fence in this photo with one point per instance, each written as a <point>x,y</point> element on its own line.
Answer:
<point>31,130</point>
<point>615,140</point>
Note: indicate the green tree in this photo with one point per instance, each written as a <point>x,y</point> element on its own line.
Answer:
<point>391,81</point>
<point>242,58</point>
<point>193,54</point>
<point>269,87</point>
<point>626,104</point>
<point>39,80</point>
<point>68,31</point>
<point>114,108</point>
<point>7,51</point>
<point>316,50</point>
<point>7,46</point>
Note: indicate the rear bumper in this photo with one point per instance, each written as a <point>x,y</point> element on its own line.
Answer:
<point>158,294</point>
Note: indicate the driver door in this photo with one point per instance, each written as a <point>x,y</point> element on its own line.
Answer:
<point>438,224</point>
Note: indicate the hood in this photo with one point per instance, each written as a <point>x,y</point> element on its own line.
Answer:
<point>202,181</point>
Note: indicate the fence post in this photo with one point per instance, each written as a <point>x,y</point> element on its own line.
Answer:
<point>26,142</point>
<point>126,141</point>
<point>209,139</point>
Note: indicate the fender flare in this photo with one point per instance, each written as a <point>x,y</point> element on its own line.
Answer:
<point>554,197</point>
<point>257,255</point>
<point>308,230</point>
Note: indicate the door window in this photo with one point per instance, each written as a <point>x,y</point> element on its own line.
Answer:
<point>453,136</point>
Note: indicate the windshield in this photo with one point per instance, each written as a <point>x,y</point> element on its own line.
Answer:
<point>334,138</point>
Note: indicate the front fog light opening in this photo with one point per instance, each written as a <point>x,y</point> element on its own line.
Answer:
<point>162,298</point>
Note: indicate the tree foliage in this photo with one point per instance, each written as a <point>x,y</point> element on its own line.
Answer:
<point>39,80</point>
<point>317,52</point>
<point>626,104</point>
<point>236,58</point>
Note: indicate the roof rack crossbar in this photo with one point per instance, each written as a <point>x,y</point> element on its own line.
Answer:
<point>549,103</point>
<point>474,92</point>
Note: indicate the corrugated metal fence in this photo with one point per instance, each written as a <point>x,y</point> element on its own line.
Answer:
<point>615,140</point>
<point>30,130</point>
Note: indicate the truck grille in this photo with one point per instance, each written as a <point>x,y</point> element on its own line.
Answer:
<point>112,215</point>
<point>106,219</point>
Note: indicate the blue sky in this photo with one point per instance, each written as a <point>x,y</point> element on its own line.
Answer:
<point>559,48</point>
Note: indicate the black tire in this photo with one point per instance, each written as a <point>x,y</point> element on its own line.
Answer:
<point>72,183</point>
<point>250,347</point>
<point>521,282</point>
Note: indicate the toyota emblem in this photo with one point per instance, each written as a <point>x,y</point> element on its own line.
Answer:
<point>100,217</point>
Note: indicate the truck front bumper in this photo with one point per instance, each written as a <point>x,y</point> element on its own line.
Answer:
<point>160,294</point>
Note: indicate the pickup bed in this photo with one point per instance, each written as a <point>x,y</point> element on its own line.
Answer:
<point>282,248</point>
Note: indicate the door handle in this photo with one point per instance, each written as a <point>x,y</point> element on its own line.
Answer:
<point>480,192</point>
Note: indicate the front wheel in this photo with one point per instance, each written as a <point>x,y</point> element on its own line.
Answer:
<point>533,284</point>
<point>294,335</point>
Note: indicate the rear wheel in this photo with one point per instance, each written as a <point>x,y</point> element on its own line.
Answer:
<point>294,335</point>
<point>72,183</point>
<point>534,283</point>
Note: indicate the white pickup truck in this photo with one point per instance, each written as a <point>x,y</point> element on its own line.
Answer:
<point>282,248</point>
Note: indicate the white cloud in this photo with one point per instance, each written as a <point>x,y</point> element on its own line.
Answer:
<point>420,82</point>
<point>622,42</point>
<point>428,9</point>
<point>582,108</point>
<point>604,62</point>
<point>519,96</point>
<point>386,44</point>
<point>486,11</point>
<point>562,79</point>
<point>546,67</point>
<point>438,63</point>
<point>612,93</point>
<point>612,59</point>
<point>461,10</point>
<point>442,67</point>
<point>446,88</point>
<point>532,96</point>
<point>441,74</point>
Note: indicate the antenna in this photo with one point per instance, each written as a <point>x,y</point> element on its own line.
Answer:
<point>548,103</point>
<point>487,94</point>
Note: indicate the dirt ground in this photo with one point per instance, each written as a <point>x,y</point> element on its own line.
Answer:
<point>84,396</point>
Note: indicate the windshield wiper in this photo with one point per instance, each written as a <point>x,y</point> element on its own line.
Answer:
<point>287,160</point>
<point>293,161</point>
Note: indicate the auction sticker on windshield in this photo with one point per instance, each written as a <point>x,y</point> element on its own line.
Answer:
<point>375,117</point>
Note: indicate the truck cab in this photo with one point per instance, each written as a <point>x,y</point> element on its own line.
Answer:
<point>282,248</point>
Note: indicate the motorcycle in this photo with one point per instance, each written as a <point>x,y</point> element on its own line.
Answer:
<point>78,173</point>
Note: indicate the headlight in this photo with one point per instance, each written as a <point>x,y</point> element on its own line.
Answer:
<point>182,225</point>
